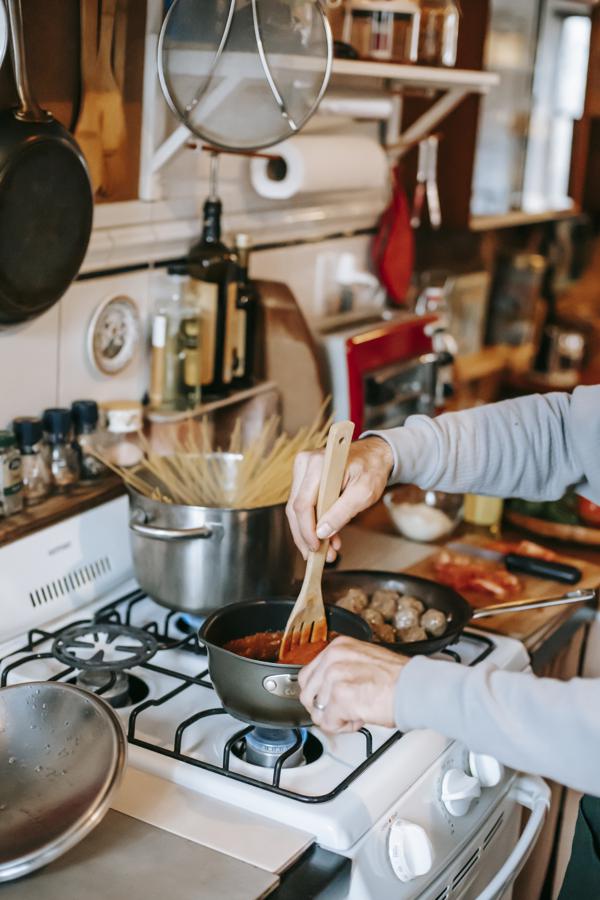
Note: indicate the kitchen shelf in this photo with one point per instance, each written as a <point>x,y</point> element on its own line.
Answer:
<point>428,77</point>
<point>59,507</point>
<point>518,217</point>
<point>169,417</point>
<point>454,85</point>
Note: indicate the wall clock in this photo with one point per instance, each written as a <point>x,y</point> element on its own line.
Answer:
<point>114,335</point>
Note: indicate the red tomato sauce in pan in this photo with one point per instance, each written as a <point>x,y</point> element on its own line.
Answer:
<point>264,646</point>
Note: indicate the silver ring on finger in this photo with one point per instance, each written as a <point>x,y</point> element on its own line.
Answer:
<point>319,706</point>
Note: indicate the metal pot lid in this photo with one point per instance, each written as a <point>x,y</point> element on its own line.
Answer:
<point>62,752</point>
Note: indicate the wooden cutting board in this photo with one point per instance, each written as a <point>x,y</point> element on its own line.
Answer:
<point>530,625</point>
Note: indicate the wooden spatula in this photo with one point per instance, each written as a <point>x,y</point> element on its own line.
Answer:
<point>307,622</point>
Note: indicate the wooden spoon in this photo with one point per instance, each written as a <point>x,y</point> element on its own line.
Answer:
<point>307,622</point>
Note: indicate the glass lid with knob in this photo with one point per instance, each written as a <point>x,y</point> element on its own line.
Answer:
<point>244,74</point>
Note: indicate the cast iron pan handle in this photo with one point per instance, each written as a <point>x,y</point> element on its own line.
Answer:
<point>29,109</point>
<point>542,568</point>
<point>157,533</point>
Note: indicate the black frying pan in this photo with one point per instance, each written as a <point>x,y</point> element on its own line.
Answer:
<point>437,596</point>
<point>46,199</point>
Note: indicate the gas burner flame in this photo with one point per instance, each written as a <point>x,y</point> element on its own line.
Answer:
<point>104,647</point>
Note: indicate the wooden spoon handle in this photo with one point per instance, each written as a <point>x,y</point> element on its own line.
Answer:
<point>332,476</point>
<point>334,465</point>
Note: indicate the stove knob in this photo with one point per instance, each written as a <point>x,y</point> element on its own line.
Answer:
<point>458,791</point>
<point>486,769</point>
<point>409,849</point>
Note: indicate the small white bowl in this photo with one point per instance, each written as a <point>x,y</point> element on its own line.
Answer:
<point>423,516</point>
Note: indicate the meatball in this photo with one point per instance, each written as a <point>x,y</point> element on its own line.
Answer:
<point>386,602</point>
<point>385,633</point>
<point>354,600</point>
<point>434,622</point>
<point>410,635</point>
<point>372,616</point>
<point>413,602</point>
<point>406,617</point>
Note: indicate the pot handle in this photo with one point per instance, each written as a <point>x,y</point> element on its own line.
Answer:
<point>157,533</point>
<point>521,605</point>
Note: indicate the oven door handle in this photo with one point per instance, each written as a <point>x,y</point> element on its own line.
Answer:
<point>533,793</point>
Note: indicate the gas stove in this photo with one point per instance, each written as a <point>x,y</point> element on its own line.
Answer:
<point>199,773</point>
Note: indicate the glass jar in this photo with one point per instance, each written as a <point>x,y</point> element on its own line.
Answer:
<point>124,424</point>
<point>176,370</point>
<point>11,483</point>
<point>37,478</point>
<point>483,512</point>
<point>63,459</point>
<point>438,33</point>
<point>88,440</point>
<point>386,30</point>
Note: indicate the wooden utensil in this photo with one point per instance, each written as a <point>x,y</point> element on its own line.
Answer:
<point>87,131</point>
<point>113,129</point>
<point>307,622</point>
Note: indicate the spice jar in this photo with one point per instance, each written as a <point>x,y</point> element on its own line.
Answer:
<point>64,463</point>
<point>124,425</point>
<point>37,478</point>
<point>386,30</point>
<point>438,33</point>
<point>11,484</point>
<point>87,440</point>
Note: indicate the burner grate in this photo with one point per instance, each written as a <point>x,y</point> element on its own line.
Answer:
<point>167,637</point>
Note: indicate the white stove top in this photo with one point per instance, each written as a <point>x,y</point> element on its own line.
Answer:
<point>176,777</point>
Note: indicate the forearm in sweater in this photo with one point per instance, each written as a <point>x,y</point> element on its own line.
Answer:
<point>537,725</point>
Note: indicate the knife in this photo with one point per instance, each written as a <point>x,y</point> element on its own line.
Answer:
<point>515,562</point>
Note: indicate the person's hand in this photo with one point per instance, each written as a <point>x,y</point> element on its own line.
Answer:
<point>370,464</point>
<point>350,684</point>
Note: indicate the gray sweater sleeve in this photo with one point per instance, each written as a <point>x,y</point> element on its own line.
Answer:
<point>534,447</point>
<point>537,725</point>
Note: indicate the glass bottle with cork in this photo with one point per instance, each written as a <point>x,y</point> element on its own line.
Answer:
<point>176,360</point>
<point>37,478</point>
<point>64,461</point>
<point>212,269</point>
<point>246,316</point>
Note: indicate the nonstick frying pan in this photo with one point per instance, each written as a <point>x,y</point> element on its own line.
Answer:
<point>437,596</point>
<point>46,201</point>
<point>263,693</point>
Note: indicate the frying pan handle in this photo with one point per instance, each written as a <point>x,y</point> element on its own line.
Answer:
<point>29,110</point>
<point>519,605</point>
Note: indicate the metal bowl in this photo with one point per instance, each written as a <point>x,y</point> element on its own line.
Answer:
<point>62,751</point>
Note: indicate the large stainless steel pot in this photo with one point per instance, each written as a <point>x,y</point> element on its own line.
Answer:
<point>197,559</point>
<point>263,693</point>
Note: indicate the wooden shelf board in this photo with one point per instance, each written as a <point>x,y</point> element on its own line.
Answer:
<point>518,217</point>
<point>418,76</point>
<point>163,417</point>
<point>58,507</point>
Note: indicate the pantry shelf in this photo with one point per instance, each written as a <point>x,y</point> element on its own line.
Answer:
<point>455,85</point>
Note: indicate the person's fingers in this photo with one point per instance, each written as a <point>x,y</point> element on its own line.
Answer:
<point>296,498</point>
<point>336,543</point>
<point>305,501</point>
<point>356,496</point>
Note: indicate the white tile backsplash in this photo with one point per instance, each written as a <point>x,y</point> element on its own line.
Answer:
<point>45,362</point>
<point>29,366</point>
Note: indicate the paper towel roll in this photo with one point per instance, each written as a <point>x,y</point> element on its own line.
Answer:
<point>317,163</point>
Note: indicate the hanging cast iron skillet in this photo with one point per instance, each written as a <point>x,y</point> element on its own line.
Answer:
<point>46,200</point>
<point>263,693</point>
<point>458,612</point>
